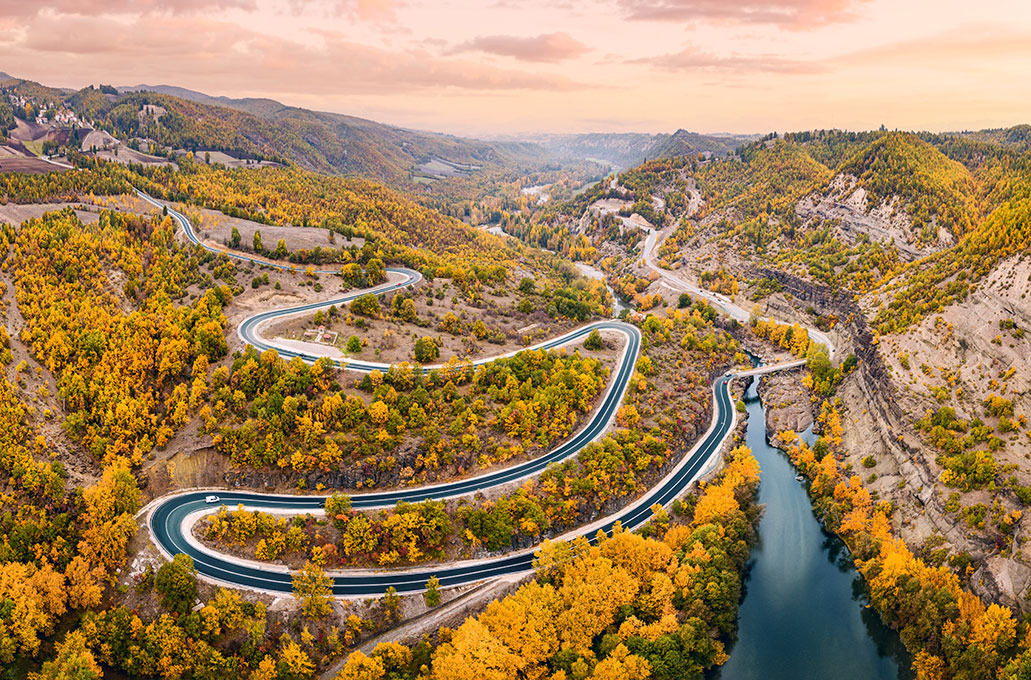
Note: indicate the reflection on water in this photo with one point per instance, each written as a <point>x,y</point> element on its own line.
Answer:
<point>804,613</point>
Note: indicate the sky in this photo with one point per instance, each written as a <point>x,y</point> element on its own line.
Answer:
<point>514,67</point>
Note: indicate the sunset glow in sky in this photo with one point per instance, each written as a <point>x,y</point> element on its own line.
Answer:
<point>513,66</point>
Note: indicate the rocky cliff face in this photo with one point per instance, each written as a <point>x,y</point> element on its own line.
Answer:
<point>878,424</point>
<point>846,202</point>
<point>852,329</point>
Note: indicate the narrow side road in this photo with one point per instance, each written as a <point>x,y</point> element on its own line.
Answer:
<point>720,302</point>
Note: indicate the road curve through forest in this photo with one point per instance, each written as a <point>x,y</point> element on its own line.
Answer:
<point>169,517</point>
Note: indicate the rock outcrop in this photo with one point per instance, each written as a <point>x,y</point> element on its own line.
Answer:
<point>786,401</point>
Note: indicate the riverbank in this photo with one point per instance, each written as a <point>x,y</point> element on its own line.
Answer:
<point>949,631</point>
<point>805,612</point>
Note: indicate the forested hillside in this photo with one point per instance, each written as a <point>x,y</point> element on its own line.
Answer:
<point>845,209</point>
<point>911,251</point>
<point>443,170</point>
<point>937,192</point>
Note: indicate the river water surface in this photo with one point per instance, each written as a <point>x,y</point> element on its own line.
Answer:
<point>804,613</point>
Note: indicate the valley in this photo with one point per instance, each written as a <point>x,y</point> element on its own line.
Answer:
<point>294,394</point>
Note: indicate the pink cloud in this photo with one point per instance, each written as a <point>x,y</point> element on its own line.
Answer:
<point>971,43</point>
<point>784,13</point>
<point>550,47</point>
<point>376,10</point>
<point>382,11</point>
<point>26,8</point>
<point>693,59</point>
<point>220,55</point>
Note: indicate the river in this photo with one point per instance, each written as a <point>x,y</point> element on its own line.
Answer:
<point>804,614</point>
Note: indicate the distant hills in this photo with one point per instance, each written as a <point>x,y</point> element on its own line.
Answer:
<point>401,146</point>
<point>620,149</point>
<point>177,118</point>
<point>332,142</point>
<point>629,149</point>
<point>250,105</point>
<point>262,128</point>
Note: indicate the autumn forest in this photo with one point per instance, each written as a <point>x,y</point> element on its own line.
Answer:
<point>282,403</point>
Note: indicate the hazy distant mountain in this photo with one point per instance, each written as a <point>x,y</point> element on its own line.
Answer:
<point>682,143</point>
<point>338,143</point>
<point>618,149</point>
<point>628,149</point>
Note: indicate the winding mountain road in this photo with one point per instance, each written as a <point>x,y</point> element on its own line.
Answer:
<point>169,520</point>
<point>171,517</point>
